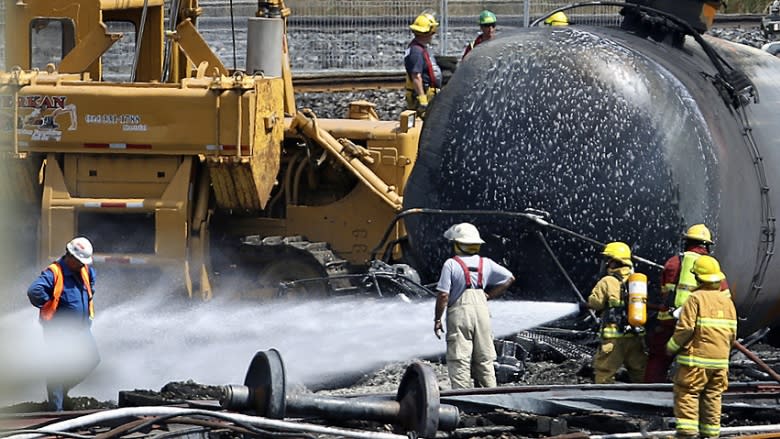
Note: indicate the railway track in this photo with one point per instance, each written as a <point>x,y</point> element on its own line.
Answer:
<point>347,81</point>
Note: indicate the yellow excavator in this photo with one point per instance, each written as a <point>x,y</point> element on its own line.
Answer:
<point>160,161</point>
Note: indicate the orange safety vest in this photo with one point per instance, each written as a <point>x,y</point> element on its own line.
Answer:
<point>50,308</point>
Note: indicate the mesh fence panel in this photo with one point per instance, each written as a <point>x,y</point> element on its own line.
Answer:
<point>2,35</point>
<point>354,35</point>
<point>365,35</point>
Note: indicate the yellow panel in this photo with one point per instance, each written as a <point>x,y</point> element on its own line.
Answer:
<point>125,169</point>
<point>120,190</point>
<point>350,236</point>
<point>60,225</point>
<point>229,120</point>
<point>268,134</point>
<point>68,115</point>
<point>171,234</point>
<point>88,50</point>
<point>128,4</point>
<point>118,176</point>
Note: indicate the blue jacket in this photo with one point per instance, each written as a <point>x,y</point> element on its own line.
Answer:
<point>74,301</point>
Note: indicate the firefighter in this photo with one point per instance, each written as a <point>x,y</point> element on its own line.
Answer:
<point>487,28</point>
<point>557,19</point>
<point>423,75</point>
<point>63,294</point>
<point>702,341</point>
<point>621,344</point>
<point>677,283</point>
<point>466,283</point>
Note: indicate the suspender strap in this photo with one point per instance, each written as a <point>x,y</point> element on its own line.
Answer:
<point>467,272</point>
<point>428,63</point>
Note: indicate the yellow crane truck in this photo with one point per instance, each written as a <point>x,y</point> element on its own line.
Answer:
<point>182,151</point>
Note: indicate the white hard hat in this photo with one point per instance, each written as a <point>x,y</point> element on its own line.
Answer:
<point>81,249</point>
<point>464,233</point>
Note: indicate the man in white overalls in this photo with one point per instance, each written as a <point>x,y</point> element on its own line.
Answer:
<point>466,283</point>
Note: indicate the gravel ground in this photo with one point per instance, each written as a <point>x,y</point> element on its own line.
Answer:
<point>390,103</point>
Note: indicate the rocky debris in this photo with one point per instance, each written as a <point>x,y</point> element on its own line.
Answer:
<point>334,105</point>
<point>748,36</point>
<point>177,392</point>
<point>390,103</point>
<point>69,404</point>
<point>388,378</point>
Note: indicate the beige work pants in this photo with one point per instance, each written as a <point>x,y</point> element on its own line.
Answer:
<point>470,346</point>
<point>697,398</point>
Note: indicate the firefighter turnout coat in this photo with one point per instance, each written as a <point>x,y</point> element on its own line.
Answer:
<point>702,340</point>
<point>619,346</point>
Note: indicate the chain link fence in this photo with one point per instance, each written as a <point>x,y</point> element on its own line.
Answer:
<point>363,35</point>
<point>372,35</point>
<point>2,36</point>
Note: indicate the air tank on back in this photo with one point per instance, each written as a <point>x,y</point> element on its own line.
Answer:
<point>617,137</point>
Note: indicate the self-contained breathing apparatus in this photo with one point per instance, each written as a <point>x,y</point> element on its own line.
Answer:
<point>630,314</point>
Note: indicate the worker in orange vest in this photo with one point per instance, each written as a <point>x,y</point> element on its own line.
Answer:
<point>63,293</point>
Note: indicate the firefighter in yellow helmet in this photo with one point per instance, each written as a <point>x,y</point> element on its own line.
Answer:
<point>677,283</point>
<point>702,340</point>
<point>621,344</point>
<point>423,74</point>
<point>557,19</point>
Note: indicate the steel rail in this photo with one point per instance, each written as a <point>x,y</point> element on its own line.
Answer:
<point>737,388</point>
<point>348,81</point>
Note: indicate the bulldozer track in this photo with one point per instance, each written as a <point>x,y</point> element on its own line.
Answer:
<point>331,265</point>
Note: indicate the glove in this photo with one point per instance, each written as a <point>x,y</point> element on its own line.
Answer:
<point>676,313</point>
<point>422,105</point>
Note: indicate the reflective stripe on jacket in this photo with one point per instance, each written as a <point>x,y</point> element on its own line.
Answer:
<point>686,283</point>
<point>50,308</point>
<point>607,294</point>
<point>706,330</point>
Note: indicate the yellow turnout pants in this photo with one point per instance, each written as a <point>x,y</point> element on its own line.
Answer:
<point>615,352</point>
<point>697,397</point>
<point>470,341</point>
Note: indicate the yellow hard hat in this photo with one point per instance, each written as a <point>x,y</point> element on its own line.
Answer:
<point>707,269</point>
<point>557,19</point>
<point>425,23</point>
<point>699,232</point>
<point>619,251</point>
